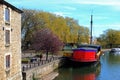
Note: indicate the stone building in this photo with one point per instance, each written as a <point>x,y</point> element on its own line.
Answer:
<point>10,42</point>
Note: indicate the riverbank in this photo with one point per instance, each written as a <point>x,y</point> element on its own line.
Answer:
<point>104,50</point>
<point>41,71</point>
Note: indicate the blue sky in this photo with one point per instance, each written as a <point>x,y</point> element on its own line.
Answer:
<point>106,12</point>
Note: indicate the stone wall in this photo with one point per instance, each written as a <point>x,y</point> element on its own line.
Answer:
<point>16,45</point>
<point>14,49</point>
<point>2,71</point>
<point>40,70</point>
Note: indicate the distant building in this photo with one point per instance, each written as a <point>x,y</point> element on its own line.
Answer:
<point>10,42</point>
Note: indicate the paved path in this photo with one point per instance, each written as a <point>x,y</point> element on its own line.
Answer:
<point>50,76</point>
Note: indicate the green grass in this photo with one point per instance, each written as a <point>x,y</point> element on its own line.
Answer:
<point>25,60</point>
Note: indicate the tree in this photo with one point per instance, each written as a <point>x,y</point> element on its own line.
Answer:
<point>102,40</point>
<point>29,22</point>
<point>67,29</point>
<point>44,40</point>
<point>110,37</point>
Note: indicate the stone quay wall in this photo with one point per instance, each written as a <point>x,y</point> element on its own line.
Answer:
<point>40,71</point>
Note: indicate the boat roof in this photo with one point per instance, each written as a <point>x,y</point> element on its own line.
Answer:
<point>89,46</point>
<point>85,49</point>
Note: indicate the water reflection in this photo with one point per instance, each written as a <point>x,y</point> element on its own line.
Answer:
<point>87,73</point>
<point>110,67</point>
<point>81,73</point>
<point>107,69</point>
<point>113,58</point>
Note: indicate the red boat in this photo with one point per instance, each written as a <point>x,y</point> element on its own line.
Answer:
<point>87,53</point>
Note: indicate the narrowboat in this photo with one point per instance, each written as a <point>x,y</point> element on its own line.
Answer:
<point>87,53</point>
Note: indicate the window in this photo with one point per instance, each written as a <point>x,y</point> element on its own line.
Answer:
<point>7,15</point>
<point>7,37</point>
<point>7,61</point>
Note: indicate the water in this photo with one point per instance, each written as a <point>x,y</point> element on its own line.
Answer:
<point>107,69</point>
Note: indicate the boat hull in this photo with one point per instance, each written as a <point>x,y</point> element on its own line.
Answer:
<point>86,54</point>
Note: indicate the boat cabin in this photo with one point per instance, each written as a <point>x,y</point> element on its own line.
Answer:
<point>86,53</point>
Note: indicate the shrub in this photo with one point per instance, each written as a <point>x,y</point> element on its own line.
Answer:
<point>25,60</point>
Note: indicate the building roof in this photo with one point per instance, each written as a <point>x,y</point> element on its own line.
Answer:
<point>11,6</point>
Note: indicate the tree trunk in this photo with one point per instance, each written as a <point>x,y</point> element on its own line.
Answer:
<point>46,55</point>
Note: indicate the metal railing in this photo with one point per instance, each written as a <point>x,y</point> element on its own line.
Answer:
<point>31,65</point>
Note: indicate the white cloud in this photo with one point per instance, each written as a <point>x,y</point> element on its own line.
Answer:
<point>64,14</point>
<point>114,26</point>
<point>100,18</point>
<point>59,13</point>
<point>115,4</point>
<point>105,26</point>
<point>99,2</point>
<point>69,8</point>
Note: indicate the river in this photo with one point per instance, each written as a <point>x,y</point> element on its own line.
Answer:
<point>107,69</point>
